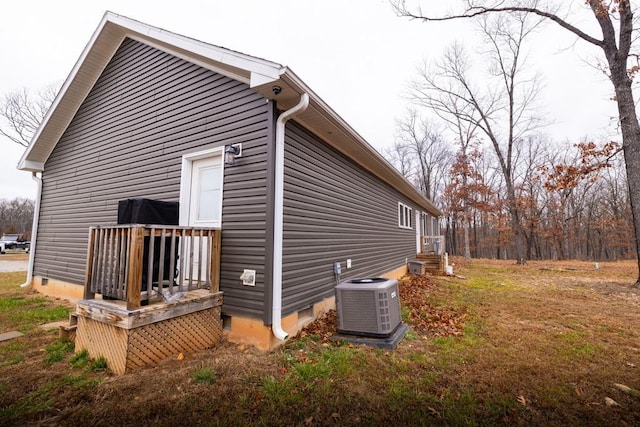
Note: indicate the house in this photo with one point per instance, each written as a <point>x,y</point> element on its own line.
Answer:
<point>244,145</point>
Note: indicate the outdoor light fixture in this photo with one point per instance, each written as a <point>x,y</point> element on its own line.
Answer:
<point>231,152</point>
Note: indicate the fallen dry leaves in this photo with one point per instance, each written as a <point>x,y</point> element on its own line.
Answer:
<point>425,317</point>
<point>324,327</point>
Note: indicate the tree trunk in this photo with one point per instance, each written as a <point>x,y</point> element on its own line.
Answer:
<point>616,49</point>
<point>467,219</point>
<point>631,148</point>
<point>516,228</point>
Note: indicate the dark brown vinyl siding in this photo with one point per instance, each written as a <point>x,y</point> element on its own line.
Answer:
<point>147,109</point>
<point>334,210</point>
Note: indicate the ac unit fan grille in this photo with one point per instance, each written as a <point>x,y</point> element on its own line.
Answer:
<point>358,319</point>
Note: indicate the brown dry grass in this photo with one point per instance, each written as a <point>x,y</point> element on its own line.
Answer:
<point>540,344</point>
<point>558,335</point>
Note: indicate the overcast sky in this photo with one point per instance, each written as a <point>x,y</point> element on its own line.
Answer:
<point>356,55</point>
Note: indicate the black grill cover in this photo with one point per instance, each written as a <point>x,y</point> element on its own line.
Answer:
<point>148,211</point>
<point>152,212</point>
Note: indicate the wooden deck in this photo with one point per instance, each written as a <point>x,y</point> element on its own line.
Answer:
<point>129,339</point>
<point>151,292</point>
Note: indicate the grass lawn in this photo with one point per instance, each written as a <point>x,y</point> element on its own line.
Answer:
<point>541,344</point>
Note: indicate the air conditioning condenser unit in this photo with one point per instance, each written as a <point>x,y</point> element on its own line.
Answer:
<point>368,307</point>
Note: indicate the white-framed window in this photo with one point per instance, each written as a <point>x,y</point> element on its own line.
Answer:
<point>404,216</point>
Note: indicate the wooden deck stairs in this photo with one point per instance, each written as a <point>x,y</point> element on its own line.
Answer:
<point>433,264</point>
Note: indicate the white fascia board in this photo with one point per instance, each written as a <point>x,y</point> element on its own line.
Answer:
<point>258,79</point>
<point>215,53</point>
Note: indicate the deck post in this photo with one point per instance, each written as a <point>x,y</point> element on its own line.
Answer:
<point>134,278</point>
<point>88,294</point>
<point>216,238</point>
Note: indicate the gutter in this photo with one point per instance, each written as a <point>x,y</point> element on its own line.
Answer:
<point>366,156</point>
<point>278,218</point>
<point>34,230</point>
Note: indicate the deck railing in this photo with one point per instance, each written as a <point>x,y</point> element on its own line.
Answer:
<point>433,245</point>
<point>137,263</point>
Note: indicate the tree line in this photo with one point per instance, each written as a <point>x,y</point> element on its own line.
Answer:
<point>16,216</point>
<point>563,214</point>
<point>474,143</point>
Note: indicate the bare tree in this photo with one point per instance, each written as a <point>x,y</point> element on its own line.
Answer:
<point>530,157</point>
<point>424,142</point>
<point>400,157</point>
<point>16,216</point>
<point>503,112</point>
<point>22,112</point>
<point>456,114</point>
<point>617,25</point>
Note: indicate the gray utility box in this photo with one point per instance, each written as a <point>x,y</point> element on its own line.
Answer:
<point>368,306</point>
<point>416,267</point>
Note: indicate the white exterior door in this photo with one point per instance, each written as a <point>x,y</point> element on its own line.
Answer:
<point>200,206</point>
<point>205,200</point>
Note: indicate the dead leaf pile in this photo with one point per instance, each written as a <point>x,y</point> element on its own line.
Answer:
<point>324,326</point>
<point>427,318</point>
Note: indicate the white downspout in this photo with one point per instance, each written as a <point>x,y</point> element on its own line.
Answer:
<point>278,217</point>
<point>34,230</point>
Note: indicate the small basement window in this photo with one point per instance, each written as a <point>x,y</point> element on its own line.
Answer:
<point>404,216</point>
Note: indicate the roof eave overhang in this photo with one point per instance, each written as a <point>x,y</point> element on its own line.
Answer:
<point>333,130</point>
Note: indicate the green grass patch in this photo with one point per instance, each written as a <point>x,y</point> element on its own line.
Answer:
<point>21,310</point>
<point>57,350</point>
<point>576,345</point>
<point>327,362</point>
<point>405,311</point>
<point>12,360</point>
<point>99,365</point>
<point>13,302</point>
<point>80,359</point>
<point>12,347</point>
<point>43,398</point>
<point>39,315</point>
<point>483,282</point>
<point>204,375</point>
